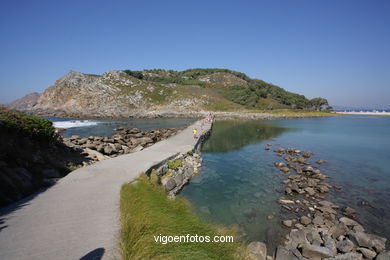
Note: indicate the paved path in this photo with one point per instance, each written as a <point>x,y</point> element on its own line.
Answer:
<point>78,218</point>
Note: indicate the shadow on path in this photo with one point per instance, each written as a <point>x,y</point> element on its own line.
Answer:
<point>17,205</point>
<point>96,254</point>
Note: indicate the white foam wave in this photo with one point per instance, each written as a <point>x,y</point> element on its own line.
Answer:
<point>74,123</point>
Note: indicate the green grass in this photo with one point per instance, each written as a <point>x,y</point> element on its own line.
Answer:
<point>222,104</point>
<point>146,212</point>
<point>297,113</point>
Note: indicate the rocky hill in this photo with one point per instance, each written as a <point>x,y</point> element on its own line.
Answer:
<point>158,93</point>
<point>26,102</point>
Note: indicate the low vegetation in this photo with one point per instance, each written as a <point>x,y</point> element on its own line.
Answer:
<point>173,165</point>
<point>147,212</point>
<point>15,122</point>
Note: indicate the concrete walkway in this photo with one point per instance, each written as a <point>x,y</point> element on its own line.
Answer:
<point>78,218</point>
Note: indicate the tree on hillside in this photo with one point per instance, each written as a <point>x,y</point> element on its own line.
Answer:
<point>319,103</point>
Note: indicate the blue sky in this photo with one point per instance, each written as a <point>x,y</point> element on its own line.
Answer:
<point>336,49</point>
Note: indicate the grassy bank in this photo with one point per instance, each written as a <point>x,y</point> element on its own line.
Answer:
<point>146,212</point>
<point>297,113</point>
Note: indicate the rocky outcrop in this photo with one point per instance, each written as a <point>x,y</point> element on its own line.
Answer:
<point>320,229</point>
<point>124,141</point>
<point>25,103</point>
<point>113,94</point>
<point>176,173</point>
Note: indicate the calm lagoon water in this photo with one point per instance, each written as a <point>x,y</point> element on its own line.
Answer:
<point>239,185</point>
<point>106,127</point>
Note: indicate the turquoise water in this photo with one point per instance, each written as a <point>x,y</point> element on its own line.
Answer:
<point>239,185</point>
<point>106,127</point>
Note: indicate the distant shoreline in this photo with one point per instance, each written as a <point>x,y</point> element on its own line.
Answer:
<point>366,113</point>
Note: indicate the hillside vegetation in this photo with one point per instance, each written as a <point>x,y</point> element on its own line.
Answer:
<point>163,92</point>
<point>239,88</point>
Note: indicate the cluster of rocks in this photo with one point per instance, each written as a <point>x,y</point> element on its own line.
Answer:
<point>124,141</point>
<point>178,172</point>
<point>320,229</point>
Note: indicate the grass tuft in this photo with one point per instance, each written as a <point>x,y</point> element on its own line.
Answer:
<point>147,212</point>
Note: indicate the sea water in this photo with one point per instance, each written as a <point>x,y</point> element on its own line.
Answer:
<point>239,185</point>
<point>86,127</point>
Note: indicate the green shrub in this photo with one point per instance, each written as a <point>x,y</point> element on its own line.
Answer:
<point>17,122</point>
<point>173,165</point>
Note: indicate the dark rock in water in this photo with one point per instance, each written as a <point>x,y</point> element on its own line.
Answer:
<point>280,164</point>
<point>307,169</point>
<point>365,203</point>
<point>280,150</point>
<point>349,212</point>
<point>307,154</point>
<point>320,161</point>
<point>294,187</point>
<point>323,188</point>
<point>257,251</point>
<point>329,204</point>
<point>285,170</point>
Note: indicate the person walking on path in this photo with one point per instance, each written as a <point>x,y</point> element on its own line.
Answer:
<point>195,133</point>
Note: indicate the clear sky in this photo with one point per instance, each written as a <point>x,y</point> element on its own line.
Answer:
<point>336,49</point>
